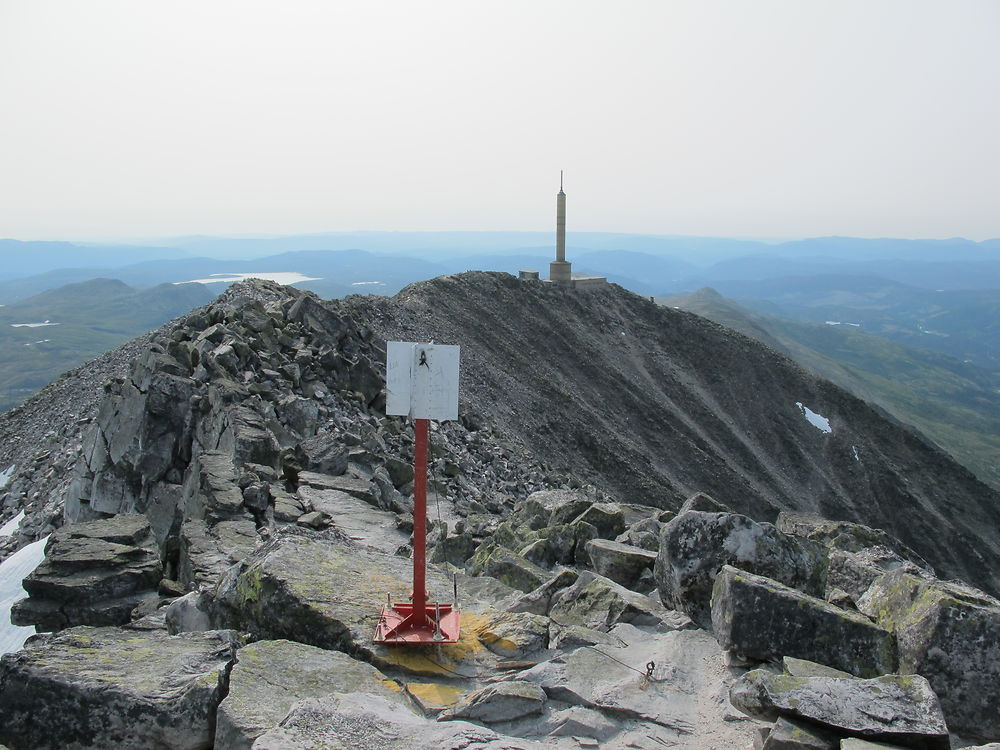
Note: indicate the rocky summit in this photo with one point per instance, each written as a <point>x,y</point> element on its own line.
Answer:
<point>659,532</point>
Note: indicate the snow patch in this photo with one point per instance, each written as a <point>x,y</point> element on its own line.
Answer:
<point>839,323</point>
<point>5,475</point>
<point>367,283</point>
<point>10,527</point>
<point>32,325</point>
<point>818,421</point>
<point>854,452</point>
<point>13,571</point>
<point>279,277</point>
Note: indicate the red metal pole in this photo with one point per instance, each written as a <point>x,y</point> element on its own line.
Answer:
<point>420,519</point>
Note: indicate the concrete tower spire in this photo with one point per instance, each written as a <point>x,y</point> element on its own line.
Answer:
<point>559,270</point>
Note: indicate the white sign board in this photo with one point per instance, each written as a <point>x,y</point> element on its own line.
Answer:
<point>421,380</point>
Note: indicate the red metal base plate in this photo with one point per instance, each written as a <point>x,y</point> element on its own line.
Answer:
<point>400,624</point>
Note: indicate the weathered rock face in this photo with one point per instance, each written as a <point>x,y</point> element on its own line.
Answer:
<point>891,708</point>
<point>695,545</point>
<point>950,634</point>
<point>765,620</point>
<point>94,573</point>
<point>271,676</point>
<point>104,687</point>
<point>349,722</point>
<point>501,701</point>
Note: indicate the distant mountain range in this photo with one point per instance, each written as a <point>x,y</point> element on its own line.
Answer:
<point>921,298</point>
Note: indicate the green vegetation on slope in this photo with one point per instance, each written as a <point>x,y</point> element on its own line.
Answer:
<point>86,319</point>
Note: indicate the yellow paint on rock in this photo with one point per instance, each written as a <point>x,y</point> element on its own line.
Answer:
<point>433,693</point>
<point>441,659</point>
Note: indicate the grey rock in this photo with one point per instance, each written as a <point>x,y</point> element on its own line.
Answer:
<point>600,603</point>
<point>622,563</point>
<point>789,734</point>
<point>322,455</point>
<point>950,634</point>
<point>360,720</point>
<point>892,708</point>
<point>695,545</point>
<point>578,721</point>
<point>316,588</point>
<point>187,614</point>
<point>105,687</point>
<point>94,573</point>
<point>515,571</point>
<point>269,677</point>
<point>538,601</point>
<point>845,535</point>
<point>762,619</point>
<point>705,503</point>
<point>210,489</point>
<point>501,701</point>
<point>854,572</point>
<point>206,552</point>
<point>607,518</point>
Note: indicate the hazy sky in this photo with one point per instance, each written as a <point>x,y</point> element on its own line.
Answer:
<point>134,118</point>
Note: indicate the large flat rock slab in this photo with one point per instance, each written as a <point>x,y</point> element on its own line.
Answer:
<point>360,521</point>
<point>271,676</point>
<point>352,722</point>
<point>323,590</point>
<point>683,704</point>
<point>109,688</point>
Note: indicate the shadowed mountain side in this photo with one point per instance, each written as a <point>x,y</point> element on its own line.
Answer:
<point>953,403</point>
<point>654,404</point>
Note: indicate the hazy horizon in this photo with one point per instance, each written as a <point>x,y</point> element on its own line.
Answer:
<point>776,119</point>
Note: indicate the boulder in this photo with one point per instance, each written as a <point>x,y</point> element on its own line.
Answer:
<point>950,634</point>
<point>512,635</point>
<point>538,601</point>
<point>607,518</point>
<point>789,734</point>
<point>187,614</point>
<point>94,573</point>
<point>598,602</point>
<point>695,545</point>
<point>762,619</point>
<point>321,455</point>
<point>854,572</point>
<point>622,563</point>
<point>501,701</point>
<point>892,708</point>
<point>578,721</point>
<point>352,485</point>
<point>845,535</point>
<point>705,503</point>
<point>515,571</point>
<point>104,687</point>
<point>269,677</point>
